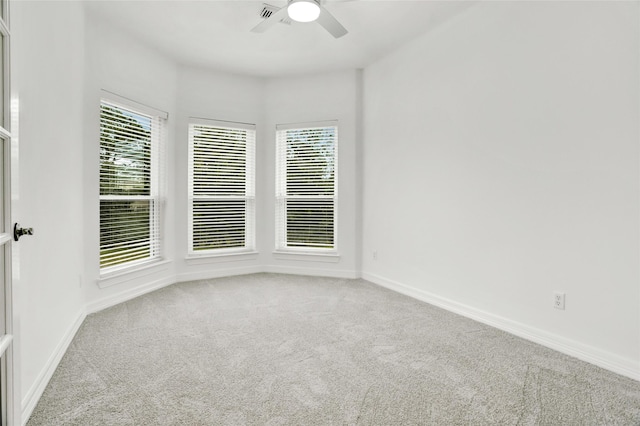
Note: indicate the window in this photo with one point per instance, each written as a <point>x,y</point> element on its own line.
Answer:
<point>130,169</point>
<point>221,187</point>
<point>306,187</point>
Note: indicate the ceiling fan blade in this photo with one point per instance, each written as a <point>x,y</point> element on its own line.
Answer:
<point>275,17</point>
<point>331,24</point>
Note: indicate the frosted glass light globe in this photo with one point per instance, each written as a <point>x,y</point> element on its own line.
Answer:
<point>303,10</point>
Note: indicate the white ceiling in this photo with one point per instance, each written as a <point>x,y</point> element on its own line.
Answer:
<point>216,34</point>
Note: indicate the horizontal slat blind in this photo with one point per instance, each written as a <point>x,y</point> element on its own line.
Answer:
<point>124,231</point>
<point>129,202</point>
<point>125,152</point>
<point>221,187</point>
<point>306,187</point>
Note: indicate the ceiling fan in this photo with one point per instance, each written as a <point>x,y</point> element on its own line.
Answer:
<point>303,11</point>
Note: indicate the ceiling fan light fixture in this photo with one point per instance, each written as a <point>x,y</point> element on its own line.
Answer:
<point>303,10</point>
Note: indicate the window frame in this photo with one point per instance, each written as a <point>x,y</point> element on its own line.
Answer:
<point>249,195</point>
<point>282,249</point>
<point>157,178</point>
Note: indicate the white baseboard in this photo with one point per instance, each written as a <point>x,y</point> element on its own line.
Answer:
<point>218,273</point>
<point>129,294</point>
<point>32,397</point>
<point>319,272</point>
<point>590,354</point>
<point>291,270</point>
<point>599,357</point>
<point>210,274</point>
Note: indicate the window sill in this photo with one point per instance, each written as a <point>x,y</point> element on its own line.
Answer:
<point>132,273</point>
<point>307,256</point>
<point>199,259</point>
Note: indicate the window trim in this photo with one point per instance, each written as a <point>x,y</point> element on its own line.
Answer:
<point>236,256</point>
<point>304,256</point>
<point>282,251</point>
<point>106,95</point>
<point>249,249</point>
<point>119,272</point>
<point>143,269</point>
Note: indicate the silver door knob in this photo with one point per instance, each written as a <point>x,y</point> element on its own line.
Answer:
<point>19,232</point>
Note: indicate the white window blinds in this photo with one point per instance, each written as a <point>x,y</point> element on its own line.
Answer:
<point>221,186</point>
<point>306,187</point>
<point>129,186</point>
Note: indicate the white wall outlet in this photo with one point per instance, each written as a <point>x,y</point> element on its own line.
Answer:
<point>558,300</point>
<point>375,255</point>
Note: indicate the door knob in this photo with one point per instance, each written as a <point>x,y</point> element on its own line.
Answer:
<point>19,232</point>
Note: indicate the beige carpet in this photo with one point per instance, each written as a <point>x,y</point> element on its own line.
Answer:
<point>271,349</point>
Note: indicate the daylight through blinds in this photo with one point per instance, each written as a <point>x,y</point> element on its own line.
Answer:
<point>128,186</point>
<point>306,180</point>
<point>221,186</point>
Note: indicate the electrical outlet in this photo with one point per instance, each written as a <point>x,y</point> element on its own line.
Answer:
<point>375,255</point>
<point>558,300</point>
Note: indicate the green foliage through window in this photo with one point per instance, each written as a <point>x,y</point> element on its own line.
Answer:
<point>306,187</point>
<point>127,206</point>
<point>221,186</point>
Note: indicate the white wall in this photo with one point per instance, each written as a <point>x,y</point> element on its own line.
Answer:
<point>60,119</point>
<point>501,165</point>
<point>267,102</point>
<point>216,96</point>
<point>48,74</point>
<point>116,62</point>
<point>332,96</point>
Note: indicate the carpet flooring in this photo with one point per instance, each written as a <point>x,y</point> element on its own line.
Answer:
<point>270,349</point>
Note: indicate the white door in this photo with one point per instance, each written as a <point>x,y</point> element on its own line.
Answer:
<point>8,416</point>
